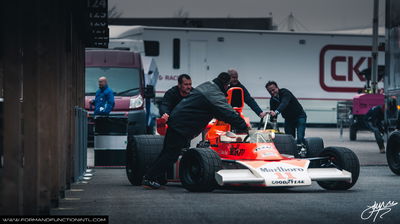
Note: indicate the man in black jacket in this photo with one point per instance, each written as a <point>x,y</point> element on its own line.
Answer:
<point>284,102</point>
<point>187,121</point>
<point>174,95</point>
<point>373,121</point>
<point>247,97</point>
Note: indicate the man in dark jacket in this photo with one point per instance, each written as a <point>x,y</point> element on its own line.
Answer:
<point>174,95</point>
<point>284,102</point>
<point>187,121</point>
<point>104,101</point>
<point>247,97</point>
<point>373,121</point>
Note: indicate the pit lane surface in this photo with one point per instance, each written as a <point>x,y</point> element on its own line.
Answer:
<point>109,193</point>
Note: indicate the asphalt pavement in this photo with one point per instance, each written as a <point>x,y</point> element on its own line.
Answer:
<point>109,193</point>
<point>365,146</point>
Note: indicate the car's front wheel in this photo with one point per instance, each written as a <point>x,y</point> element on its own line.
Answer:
<point>343,159</point>
<point>197,169</point>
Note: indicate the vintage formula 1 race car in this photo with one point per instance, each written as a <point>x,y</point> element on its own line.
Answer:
<point>261,158</point>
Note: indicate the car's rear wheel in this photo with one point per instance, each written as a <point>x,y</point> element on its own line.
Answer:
<point>141,152</point>
<point>314,146</point>
<point>197,169</point>
<point>393,152</point>
<point>343,159</point>
<point>285,144</point>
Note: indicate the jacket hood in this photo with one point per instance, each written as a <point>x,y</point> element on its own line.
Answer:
<point>219,83</point>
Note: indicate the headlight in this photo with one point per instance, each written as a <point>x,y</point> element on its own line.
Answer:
<point>136,102</point>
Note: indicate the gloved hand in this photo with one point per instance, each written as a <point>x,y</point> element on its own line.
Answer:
<point>101,109</point>
<point>262,114</point>
<point>165,116</point>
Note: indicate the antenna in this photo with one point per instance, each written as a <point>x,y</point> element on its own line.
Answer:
<point>291,24</point>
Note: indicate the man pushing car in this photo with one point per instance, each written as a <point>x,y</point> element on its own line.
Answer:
<point>187,121</point>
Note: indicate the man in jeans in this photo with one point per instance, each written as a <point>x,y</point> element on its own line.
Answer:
<point>373,121</point>
<point>285,103</point>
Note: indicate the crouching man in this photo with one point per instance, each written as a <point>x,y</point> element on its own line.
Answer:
<point>187,121</point>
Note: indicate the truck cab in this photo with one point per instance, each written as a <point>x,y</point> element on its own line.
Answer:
<point>125,76</point>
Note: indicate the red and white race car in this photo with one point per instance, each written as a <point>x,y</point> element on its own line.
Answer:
<point>261,158</point>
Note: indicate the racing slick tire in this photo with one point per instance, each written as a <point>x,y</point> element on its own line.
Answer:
<point>393,152</point>
<point>285,144</point>
<point>353,132</point>
<point>141,152</point>
<point>344,159</point>
<point>314,146</point>
<point>197,169</point>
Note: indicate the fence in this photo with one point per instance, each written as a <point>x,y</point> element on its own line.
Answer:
<point>80,149</point>
<point>343,110</point>
<point>1,136</point>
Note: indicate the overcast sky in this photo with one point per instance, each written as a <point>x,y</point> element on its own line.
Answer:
<point>314,15</point>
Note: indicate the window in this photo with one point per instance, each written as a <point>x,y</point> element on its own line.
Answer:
<point>151,48</point>
<point>123,81</point>
<point>176,55</point>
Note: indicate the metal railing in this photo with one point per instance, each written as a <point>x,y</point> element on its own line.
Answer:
<point>1,134</point>
<point>343,112</point>
<point>80,149</point>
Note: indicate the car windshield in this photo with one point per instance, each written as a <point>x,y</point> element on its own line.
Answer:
<point>123,81</point>
<point>261,136</point>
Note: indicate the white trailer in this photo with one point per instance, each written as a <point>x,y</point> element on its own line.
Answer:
<point>319,68</point>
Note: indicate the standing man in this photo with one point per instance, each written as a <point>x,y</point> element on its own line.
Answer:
<point>373,121</point>
<point>247,97</point>
<point>285,103</point>
<point>187,121</point>
<point>104,101</point>
<point>174,95</point>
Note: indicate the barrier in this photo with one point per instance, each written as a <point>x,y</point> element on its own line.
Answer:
<point>1,136</point>
<point>343,113</point>
<point>110,141</point>
<point>80,148</point>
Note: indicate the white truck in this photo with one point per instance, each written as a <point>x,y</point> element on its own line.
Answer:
<point>320,69</point>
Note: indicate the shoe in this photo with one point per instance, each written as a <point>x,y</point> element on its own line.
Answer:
<point>151,184</point>
<point>382,150</point>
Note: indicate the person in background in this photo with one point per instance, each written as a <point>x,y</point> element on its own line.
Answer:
<point>174,95</point>
<point>104,100</point>
<point>247,97</point>
<point>284,102</point>
<point>373,121</point>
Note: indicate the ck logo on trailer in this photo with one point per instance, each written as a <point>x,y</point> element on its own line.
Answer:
<point>340,67</point>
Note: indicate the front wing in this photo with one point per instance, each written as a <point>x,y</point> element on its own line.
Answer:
<point>293,172</point>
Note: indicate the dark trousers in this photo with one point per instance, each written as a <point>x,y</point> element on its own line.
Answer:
<point>378,132</point>
<point>173,145</point>
<point>298,124</point>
